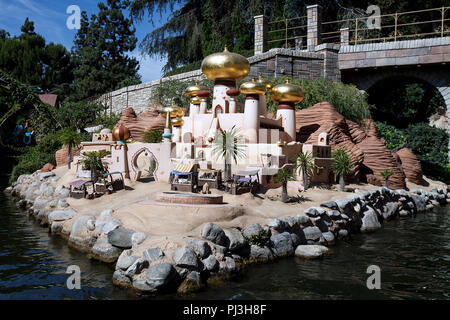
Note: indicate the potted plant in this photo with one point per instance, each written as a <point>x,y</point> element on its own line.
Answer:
<point>386,174</point>
<point>71,139</point>
<point>342,165</point>
<point>227,145</point>
<point>304,163</point>
<point>283,175</point>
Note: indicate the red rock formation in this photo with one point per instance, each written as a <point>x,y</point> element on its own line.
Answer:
<point>47,167</point>
<point>147,120</point>
<point>61,156</point>
<point>411,165</point>
<point>368,152</point>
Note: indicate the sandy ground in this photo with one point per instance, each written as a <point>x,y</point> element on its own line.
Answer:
<point>170,226</point>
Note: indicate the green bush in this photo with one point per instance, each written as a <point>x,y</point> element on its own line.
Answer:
<point>152,136</point>
<point>260,239</point>
<point>33,158</point>
<point>428,143</point>
<point>394,137</point>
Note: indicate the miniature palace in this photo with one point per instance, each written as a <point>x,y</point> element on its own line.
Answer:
<point>185,156</point>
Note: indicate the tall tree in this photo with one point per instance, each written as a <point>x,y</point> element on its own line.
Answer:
<point>101,49</point>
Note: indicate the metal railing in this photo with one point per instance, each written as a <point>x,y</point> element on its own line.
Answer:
<point>393,27</point>
<point>285,31</point>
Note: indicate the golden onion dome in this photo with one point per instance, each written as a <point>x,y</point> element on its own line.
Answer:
<point>179,111</point>
<point>121,133</point>
<point>225,66</point>
<point>177,122</point>
<point>196,100</point>
<point>287,92</point>
<point>253,87</point>
<point>192,91</point>
<point>264,81</point>
<point>172,110</point>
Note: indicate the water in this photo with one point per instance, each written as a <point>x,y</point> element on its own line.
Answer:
<point>413,255</point>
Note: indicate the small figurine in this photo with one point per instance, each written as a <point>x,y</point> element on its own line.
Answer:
<point>205,189</point>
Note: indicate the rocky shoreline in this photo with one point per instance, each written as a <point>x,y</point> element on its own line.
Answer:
<point>216,253</point>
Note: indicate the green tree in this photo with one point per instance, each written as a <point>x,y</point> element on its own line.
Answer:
<point>386,174</point>
<point>100,49</point>
<point>304,162</point>
<point>284,175</point>
<point>71,139</point>
<point>228,145</point>
<point>342,165</point>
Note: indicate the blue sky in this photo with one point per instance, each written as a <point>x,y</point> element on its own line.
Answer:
<point>50,17</point>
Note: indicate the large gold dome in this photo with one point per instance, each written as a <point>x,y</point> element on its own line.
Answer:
<point>253,87</point>
<point>225,66</point>
<point>287,93</point>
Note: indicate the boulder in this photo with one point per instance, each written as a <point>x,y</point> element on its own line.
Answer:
<point>104,251</point>
<point>302,219</point>
<point>63,203</point>
<point>370,221</point>
<point>252,230</point>
<point>47,167</point>
<point>211,263</point>
<point>120,279</point>
<point>314,212</point>
<point>235,240</point>
<point>153,254</point>
<point>137,267</point>
<point>278,225</point>
<point>260,253</point>
<point>329,205</point>
<point>214,233</point>
<point>312,233</point>
<point>419,201</point>
<point>121,237</point>
<point>281,244</point>
<point>191,283</point>
<point>329,238</point>
<point>80,234</point>
<point>111,225</point>
<point>185,257</point>
<point>201,247</point>
<point>161,276</point>
<point>45,175</point>
<point>389,210</point>
<point>126,259</point>
<point>105,217</point>
<point>40,203</point>
<point>310,251</point>
<point>137,238</point>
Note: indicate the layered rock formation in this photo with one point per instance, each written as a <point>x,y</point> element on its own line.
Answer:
<point>411,165</point>
<point>61,156</point>
<point>145,121</point>
<point>368,151</point>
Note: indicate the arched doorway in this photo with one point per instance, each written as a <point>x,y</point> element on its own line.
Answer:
<point>145,165</point>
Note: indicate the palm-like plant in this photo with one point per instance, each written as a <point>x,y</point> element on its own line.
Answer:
<point>228,146</point>
<point>304,162</point>
<point>71,139</point>
<point>342,165</point>
<point>284,175</point>
<point>386,174</point>
<point>92,160</point>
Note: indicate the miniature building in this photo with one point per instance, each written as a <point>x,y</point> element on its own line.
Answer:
<point>321,152</point>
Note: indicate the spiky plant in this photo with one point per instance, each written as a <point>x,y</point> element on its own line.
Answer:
<point>304,162</point>
<point>283,175</point>
<point>228,146</point>
<point>386,174</point>
<point>342,165</point>
<point>71,139</point>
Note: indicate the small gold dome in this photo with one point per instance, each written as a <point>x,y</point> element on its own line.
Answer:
<point>196,100</point>
<point>253,87</point>
<point>287,92</point>
<point>121,133</point>
<point>225,66</point>
<point>264,81</point>
<point>177,122</point>
<point>192,91</point>
<point>172,109</point>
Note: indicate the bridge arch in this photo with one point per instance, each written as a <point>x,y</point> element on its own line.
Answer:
<point>436,76</point>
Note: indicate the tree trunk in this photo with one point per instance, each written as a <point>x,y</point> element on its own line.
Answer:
<point>386,183</point>
<point>305,179</point>
<point>227,171</point>
<point>341,182</point>
<point>284,194</point>
<point>69,154</point>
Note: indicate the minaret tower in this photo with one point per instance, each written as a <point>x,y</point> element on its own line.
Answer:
<point>252,90</point>
<point>287,95</point>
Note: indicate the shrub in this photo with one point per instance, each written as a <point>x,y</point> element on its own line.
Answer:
<point>152,136</point>
<point>260,239</point>
<point>395,138</point>
<point>33,158</point>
